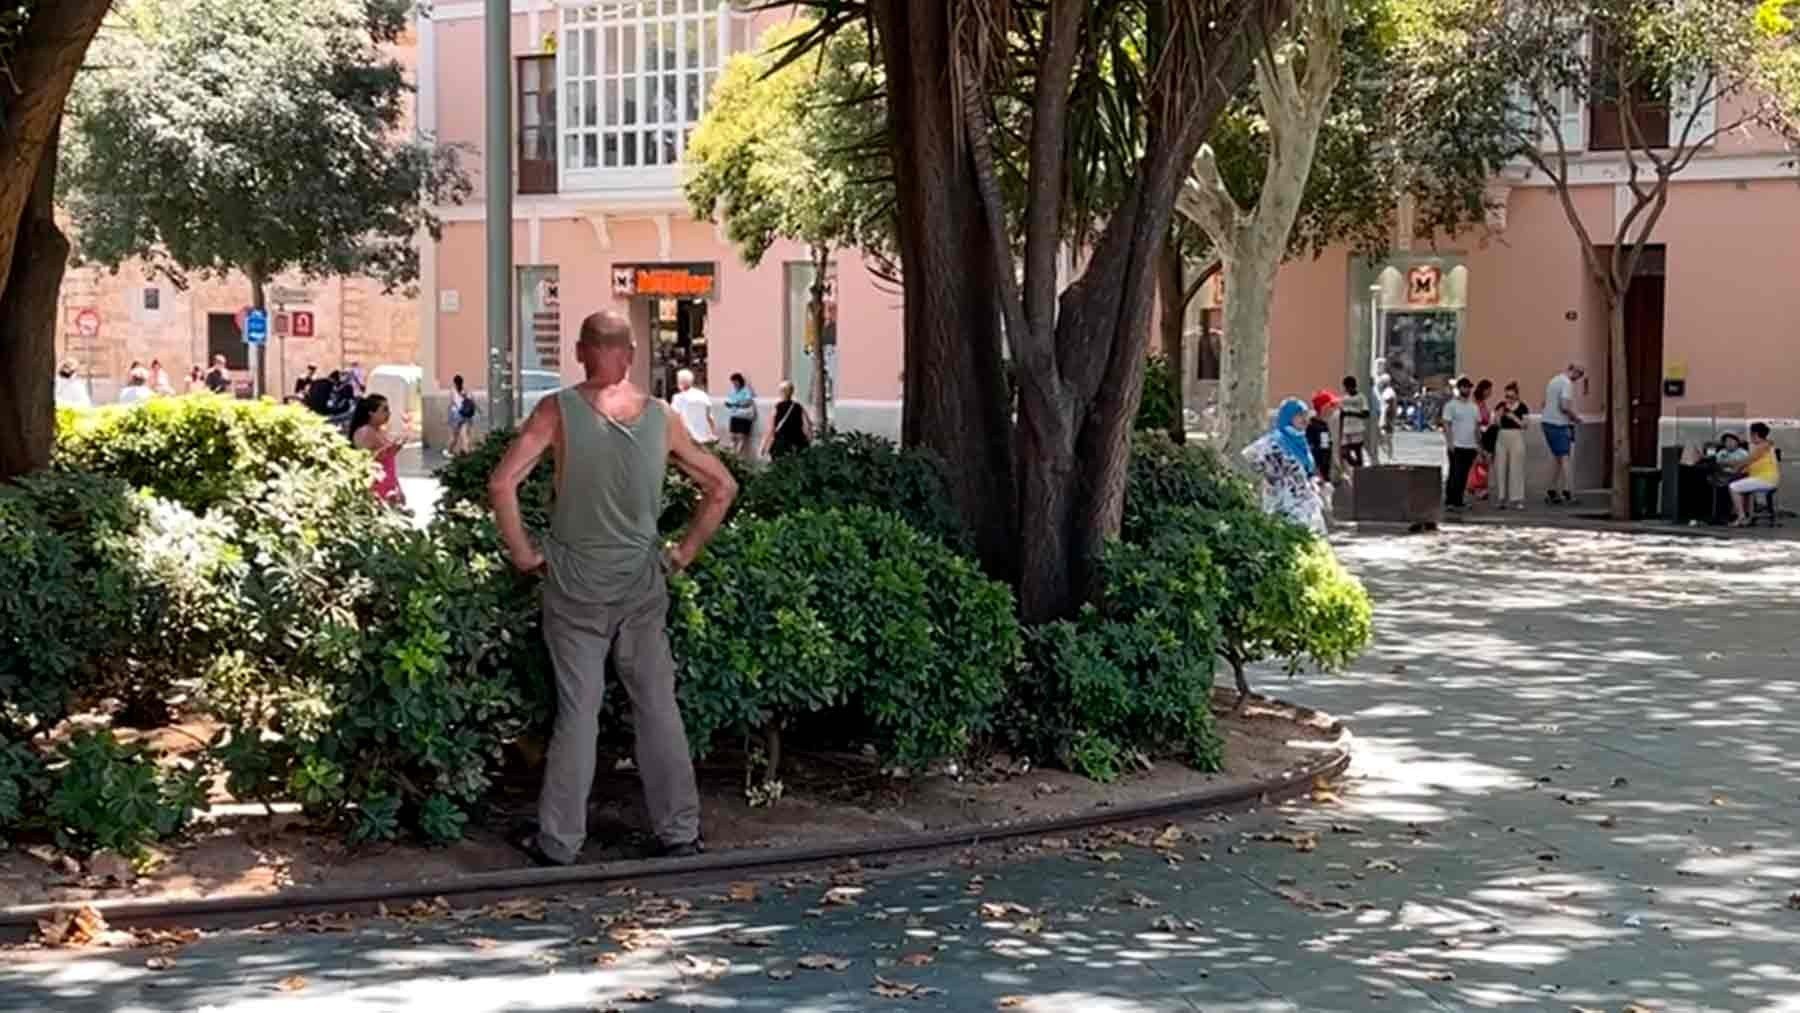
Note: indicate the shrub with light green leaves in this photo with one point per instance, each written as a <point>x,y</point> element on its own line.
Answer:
<point>117,797</point>
<point>843,470</point>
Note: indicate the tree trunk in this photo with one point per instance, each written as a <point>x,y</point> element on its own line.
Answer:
<point>1618,407</point>
<point>44,58</point>
<point>1243,682</point>
<point>957,403</point>
<point>816,308</point>
<point>28,312</point>
<point>1244,353</point>
<point>1171,290</point>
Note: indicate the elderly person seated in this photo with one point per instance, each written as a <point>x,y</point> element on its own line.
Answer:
<point>1731,452</point>
<point>1761,472</point>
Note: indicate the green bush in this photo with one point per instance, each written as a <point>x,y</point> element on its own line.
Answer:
<point>843,470</point>
<point>116,797</point>
<point>1132,675</point>
<point>1159,410</point>
<point>24,786</point>
<point>1288,597</point>
<point>1163,475</point>
<point>847,610</point>
<point>200,451</point>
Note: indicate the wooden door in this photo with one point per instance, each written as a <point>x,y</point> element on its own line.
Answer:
<point>1644,359</point>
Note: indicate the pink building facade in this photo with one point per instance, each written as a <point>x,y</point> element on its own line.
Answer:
<point>606,94</point>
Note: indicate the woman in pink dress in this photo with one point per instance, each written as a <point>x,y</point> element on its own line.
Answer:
<point>368,430</point>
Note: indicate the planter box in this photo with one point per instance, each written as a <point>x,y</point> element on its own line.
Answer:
<point>1407,494</point>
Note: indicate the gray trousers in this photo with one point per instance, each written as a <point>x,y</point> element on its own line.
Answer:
<point>633,632</point>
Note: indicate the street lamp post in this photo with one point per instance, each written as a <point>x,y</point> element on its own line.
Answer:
<point>498,37</point>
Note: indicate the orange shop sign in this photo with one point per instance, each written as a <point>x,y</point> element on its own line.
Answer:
<point>666,281</point>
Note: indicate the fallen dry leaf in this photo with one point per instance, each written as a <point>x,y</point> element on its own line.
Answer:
<point>606,959</point>
<point>1108,856</point>
<point>780,973</point>
<point>823,962</point>
<point>996,910</point>
<point>1136,899</point>
<point>917,959</point>
<point>841,896</point>
<point>1030,926</point>
<point>1300,899</point>
<point>81,926</point>
<point>639,995</point>
<point>483,942</point>
<point>705,967</point>
<point>1170,837</point>
<point>160,963</point>
<point>527,909</point>
<point>743,893</point>
<point>890,989</point>
<point>1011,1001</point>
<point>1380,865</point>
<point>750,940</point>
<point>291,983</point>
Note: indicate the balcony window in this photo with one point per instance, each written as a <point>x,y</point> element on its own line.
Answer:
<point>635,79</point>
<point>537,124</point>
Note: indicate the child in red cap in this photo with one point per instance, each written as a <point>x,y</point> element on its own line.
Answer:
<point>1319,432</point>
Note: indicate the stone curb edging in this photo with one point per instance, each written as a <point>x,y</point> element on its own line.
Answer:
<point>17,922</point>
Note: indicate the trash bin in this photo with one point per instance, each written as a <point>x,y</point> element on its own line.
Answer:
<point>1646,491</point>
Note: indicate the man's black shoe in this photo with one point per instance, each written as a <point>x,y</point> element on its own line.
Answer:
<point>524,836</point>
<point>688,849</point>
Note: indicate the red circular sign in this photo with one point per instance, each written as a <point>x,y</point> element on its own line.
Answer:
<point>87,323</point>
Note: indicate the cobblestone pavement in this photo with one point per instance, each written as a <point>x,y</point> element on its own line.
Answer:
<point>1572,791</point>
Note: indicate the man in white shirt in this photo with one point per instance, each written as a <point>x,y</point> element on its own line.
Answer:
<point>1559,420</point>
<point>1462,429</point>
<point>137,387</point>
<point>71,389</point>
<point>695,409</point>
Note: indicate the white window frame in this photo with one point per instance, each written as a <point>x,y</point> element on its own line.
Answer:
<point>576,22</point>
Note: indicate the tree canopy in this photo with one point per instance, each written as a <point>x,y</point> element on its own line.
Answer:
<point>216,135</point>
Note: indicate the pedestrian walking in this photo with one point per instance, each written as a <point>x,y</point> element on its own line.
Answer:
<point>1558,421</point>
<point>1319,434</point>
<point>1508,478</point>
<point>462,417</point>
<point>694,406</point>
<point>1284,462</point>
<point>1353,424</point>
<point>1461,422</point>
<point>740,409</point>
<point>605,592</point>
<point>71,389</point>
<point>368,430</point>
<point>792,431</point>
<point>1487,439</point>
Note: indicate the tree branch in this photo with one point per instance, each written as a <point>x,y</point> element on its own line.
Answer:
<point>1205,201</point>
<point>1035,355</point>
<point>1043,208</point>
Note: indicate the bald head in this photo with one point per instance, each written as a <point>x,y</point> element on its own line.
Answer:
<point>606,329</point>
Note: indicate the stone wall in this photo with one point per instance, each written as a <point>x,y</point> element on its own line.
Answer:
<point>144,317</point>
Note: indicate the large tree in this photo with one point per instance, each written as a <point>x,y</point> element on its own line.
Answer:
<point>1668,77</point>
<point>780,155</point>
<point>1346,120</point>
<point>42,45</point>
<point>259,138</point>
<point>1020,131</point>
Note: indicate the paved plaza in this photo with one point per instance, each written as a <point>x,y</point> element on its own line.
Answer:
<point>1572,790</point>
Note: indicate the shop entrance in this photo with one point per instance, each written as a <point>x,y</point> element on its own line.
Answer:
<point>677,342</point>
<point>1644,303</point>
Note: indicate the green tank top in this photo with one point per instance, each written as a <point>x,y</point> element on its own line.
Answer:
<point>603,540</point>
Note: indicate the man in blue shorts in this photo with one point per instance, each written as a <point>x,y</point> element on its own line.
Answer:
<point>1559,420</point>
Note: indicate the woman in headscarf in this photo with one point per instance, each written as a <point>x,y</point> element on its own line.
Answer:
<point>1284,462</point>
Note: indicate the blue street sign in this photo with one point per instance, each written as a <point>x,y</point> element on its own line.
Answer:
<point>256,328</point>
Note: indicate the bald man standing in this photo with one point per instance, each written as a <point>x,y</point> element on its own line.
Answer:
<point>605,590</point>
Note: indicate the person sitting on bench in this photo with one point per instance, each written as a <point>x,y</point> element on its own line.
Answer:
<point>1762,474</point>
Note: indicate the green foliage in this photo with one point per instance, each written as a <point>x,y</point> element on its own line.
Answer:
<point>1132,676</point>
<point>259,137</point>
<point>24,786</point>
<point>116,797</point>
<point>1163,474</point>
<point>1288,598</point>
<point>200,452</point>
<point>1160,409</point>
<point>842,609</point>
<point>783,150</point>
<point>841,470</point>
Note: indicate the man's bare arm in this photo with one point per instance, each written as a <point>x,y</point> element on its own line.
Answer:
<point>717,490</point>
<point>536,437</point>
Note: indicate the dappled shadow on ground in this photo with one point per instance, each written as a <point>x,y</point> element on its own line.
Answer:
<point>1572,790</point>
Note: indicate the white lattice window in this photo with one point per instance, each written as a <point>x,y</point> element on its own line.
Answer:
<point>636,76</point>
